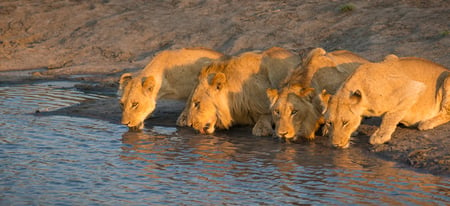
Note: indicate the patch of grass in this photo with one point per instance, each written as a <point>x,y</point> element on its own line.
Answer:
<point>445,33</point>
<point>347,8</point>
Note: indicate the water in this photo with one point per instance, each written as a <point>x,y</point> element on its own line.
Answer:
<point>61,160</point>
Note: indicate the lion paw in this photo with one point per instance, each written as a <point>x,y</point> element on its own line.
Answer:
<point>425,125</point>
<point>259,130</point>
<point>378,138</point>
<point>182,120</point>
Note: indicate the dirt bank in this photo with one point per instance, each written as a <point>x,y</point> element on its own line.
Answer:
<point>96,41</point>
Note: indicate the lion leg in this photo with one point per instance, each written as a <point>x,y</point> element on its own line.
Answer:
<point>263,126</point>
<point>444,114</point>
<point>182,119</point>
<point>411,93</point>
<point>387,127</point>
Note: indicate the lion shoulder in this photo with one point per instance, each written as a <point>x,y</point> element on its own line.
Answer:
<point>281,62</point>
<point>237,69</point>
<point>325,68</point>
<point>345,56</point>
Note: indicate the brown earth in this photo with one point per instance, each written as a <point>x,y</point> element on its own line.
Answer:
<point>96,41</point>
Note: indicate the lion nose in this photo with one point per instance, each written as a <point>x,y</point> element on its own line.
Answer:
<point>282,134</point>
<point>340,145</point>
<point>207,126</point>
<point>337,146</point>
<point>125,123</point>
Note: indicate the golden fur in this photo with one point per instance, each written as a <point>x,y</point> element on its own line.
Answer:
<point>296,106</point>
<point>411,91</point>
<point>232,91</point>
<point>171,74</point>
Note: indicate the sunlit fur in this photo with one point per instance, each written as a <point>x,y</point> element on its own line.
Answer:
<point>171,74</point>
<point>297,107</point>
<point>411,91</point>
<point>232,91</point>
<point>342,121</point>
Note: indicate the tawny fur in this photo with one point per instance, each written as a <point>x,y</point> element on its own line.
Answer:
<point>232,91</point>
<point>411,91</point>
<point>296,106</point>
<point>171,74</point>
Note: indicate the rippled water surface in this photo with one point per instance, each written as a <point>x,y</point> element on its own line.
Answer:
<point>51,160</point>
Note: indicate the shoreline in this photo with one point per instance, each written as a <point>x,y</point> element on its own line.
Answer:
<point>424,151</point>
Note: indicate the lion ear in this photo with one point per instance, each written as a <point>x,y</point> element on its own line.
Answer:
<point>324,99</point>
<point>148,83</point>
<point>218,80</point>
<point>318,52</point>
<point>356,96</point>
<point>390,57</point>
<point>324,96</point>
<point>124,79</point>
<point>322,56</point>
<point>272,94</point>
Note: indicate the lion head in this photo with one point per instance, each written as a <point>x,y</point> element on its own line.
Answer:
<point>297,107</point>
<point>293,112</point>
<point>138,99</point>
<point>343,117</point>
<point>209,104</point>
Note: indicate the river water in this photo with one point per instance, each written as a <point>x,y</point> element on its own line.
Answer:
<point>62,160</point>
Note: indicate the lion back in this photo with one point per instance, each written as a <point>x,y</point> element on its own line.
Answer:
<point>401,78</point>
<point>278,63</point>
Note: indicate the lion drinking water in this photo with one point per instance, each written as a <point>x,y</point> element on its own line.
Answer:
<point>411,91</point>
<point>171,74</point>
<point>232,91</point>
<point>296,106</point>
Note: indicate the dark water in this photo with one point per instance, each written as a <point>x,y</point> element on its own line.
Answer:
<point>60,160</point>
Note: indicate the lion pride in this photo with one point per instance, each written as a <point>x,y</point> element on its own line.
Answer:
<point>171,74</point>
<point>232,91</point>
<point>409,90</point>
<point>296,106</point>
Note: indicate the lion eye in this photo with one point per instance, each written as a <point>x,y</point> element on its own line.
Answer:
<point>293,112</point>
<point>276,112</point>
<point>344,123</point>
<point>134,105</point>
<point>197,104</point>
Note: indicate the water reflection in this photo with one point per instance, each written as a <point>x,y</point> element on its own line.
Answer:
<point>267,172</point>
<point>355,173</point>
<point>358,174</point>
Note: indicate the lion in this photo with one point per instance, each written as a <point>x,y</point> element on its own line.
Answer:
<point>172,74</point>
<point>232,91</point>
<point>408,90</point>
<point>297,107</point>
